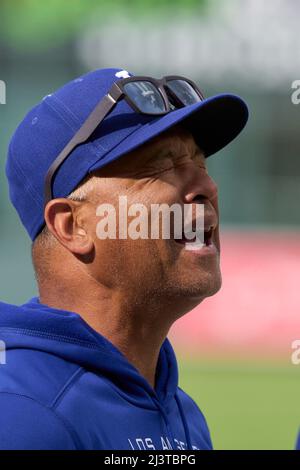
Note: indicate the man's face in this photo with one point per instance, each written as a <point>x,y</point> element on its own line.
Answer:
<point>169,169</point>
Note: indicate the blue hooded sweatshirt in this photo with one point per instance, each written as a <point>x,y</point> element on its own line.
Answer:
<point>298,442</point>
<point>65,386</point>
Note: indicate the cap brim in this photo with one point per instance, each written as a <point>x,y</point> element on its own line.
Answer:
<point>214,123</point>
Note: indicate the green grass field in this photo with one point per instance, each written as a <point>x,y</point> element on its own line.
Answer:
<point>247,405</point>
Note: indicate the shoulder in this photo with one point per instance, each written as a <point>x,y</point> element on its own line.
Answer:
<point>31,383</point>
<point>31,362</point>
<point>29,425</point>
<point>36,374</point>
<point>298,442</point>
<point>5,307</point>
<point>189,404</point>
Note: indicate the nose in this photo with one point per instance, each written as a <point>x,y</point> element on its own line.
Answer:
<point>200,187</point>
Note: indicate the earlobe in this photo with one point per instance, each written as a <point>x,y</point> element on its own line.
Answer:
<point>82,243</point>
<point>65,224</point>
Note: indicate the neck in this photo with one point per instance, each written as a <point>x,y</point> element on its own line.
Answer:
<point>136,327</point>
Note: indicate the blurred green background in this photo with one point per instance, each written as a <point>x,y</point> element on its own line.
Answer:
<point>248,405</point>
<point>249,48</point>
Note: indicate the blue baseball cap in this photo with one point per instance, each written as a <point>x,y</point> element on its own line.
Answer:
<point>51,124</point>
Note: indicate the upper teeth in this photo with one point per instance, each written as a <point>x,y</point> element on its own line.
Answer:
<point>192,235</point>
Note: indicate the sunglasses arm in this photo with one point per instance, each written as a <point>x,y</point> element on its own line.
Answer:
<point>103,108</point>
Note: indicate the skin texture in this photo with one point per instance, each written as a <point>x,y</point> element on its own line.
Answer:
<point>132,291</point>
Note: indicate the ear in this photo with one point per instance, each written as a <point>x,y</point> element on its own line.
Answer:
<point>64,221</point>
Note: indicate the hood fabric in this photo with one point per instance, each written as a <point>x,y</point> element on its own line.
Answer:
<point>298,442</point>
<point>65,386</point>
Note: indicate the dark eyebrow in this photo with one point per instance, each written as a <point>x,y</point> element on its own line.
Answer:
<point>160,154</point>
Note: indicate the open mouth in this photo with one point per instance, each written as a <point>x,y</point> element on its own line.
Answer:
<point>197,238</point>
<point>208,236</point>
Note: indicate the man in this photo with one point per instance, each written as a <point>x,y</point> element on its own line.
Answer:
<point>88,362</point>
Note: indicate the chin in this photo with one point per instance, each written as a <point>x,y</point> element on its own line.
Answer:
<point>194,289</point>
<point>203,289</point>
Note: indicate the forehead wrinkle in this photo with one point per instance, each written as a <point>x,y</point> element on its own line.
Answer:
<point>179,147</point>
<point>175,143</point>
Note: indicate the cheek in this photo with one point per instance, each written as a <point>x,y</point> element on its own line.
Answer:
<point>134,257</point>
<point>124,262</point>
<point>157,189</point>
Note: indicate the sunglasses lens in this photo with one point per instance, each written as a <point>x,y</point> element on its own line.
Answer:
<point>145,96</point>
<point>184,91</point>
